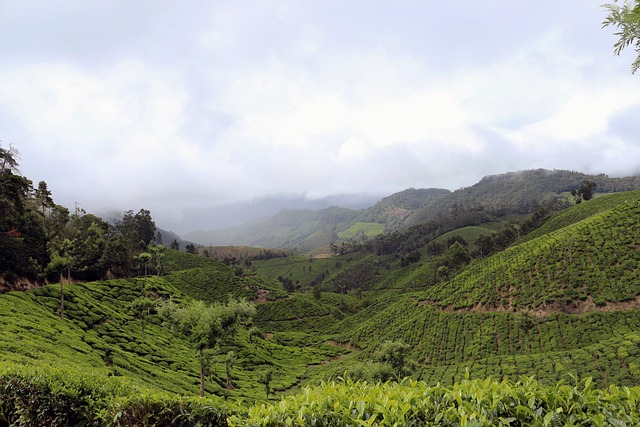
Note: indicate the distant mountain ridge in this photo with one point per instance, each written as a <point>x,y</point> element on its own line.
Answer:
<point>519,192</point>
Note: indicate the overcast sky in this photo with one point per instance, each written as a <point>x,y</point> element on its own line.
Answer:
<point>180,105</point>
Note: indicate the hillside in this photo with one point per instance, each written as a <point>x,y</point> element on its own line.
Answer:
<point>493,196</point>
<point>593,259</point>
<point>102,332</point>
<point>552,305</point>
<point>289,229</point>
<point>479,292</point>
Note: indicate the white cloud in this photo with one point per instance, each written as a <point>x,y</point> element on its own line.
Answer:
<point>353,148</point>
<point>203,103</point>
<point>583,114</point>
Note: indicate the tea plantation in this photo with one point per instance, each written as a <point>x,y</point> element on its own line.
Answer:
<point>544,333</point>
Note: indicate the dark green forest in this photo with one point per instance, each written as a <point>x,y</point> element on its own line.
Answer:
<point>43,241</point>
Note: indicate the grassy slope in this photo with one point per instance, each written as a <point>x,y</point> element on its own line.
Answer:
<point>305,270</point>
<point>470,234</point>
<point>593,259</point>
<point>101,333</point>
<point>564,303</point>
<point>582,212</point>
<point>502,317</point>
<point>369,229</point>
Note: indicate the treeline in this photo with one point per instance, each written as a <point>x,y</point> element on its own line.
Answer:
<point>43,241</point>
<point>522,192</point>
<point>405,243</point>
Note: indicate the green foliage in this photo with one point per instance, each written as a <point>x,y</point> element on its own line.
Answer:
<point>33,396</point>
<point>211,284</point>
<point>579,213</point>
<point>470,403</point>
<point>560,303</point>
<point>64,396</point>
<point>205,326</point>
<point>300,310</point>
<point>469,234</point>
<point>626,19</point>
<point>265,377</point>
<point>395,354</point>
<point>590,259</point>
<point>368,229</point>
<point>456,256</point>
<point>103,331</point>
<point>175,260</point>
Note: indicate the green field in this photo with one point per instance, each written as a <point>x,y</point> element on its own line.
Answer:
<point>369,229</point>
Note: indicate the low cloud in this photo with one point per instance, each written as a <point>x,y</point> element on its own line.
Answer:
<point>178,109</point>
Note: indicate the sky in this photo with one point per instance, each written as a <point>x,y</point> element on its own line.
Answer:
<point>183,106</point>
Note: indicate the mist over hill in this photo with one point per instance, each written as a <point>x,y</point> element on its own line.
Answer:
<point>304,229</point>
<point>236,214</point>
<point>481,290</point>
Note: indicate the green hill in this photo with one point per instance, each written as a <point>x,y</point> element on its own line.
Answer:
<point>446,315</point>
<point>590,260</point>
<point>494,196</point>
<point>101,332</point>
<point>562,303</point>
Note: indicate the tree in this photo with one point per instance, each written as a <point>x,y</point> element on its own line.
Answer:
<point>142,306</point>
<point>9,160</point>
<point>625,17</point>
<point>587,188</point>
<point>89,238</point>
<point>457,256</point>
<point>229,360</point>
<point>265,378</point>
<point>485,244</point>
<point>395,354</point>
<point>145,227</point>
<point>143,259</point>
<point>206,325</point>
<point>116,257</point>
<point>157,252</point>
<point>585,191</point>
<point>14,190</point>
<point>175,245</point>
<point>57,221</point>
<point>61,260</point>
<point>43,196</point>
<point>137,230</point>
<point>191,248</point>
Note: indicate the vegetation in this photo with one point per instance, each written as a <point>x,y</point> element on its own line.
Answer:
<point>367,229</point>
<point>56,396</point>
<point>470,403</point>
<point>432,324</point>
<point>491,199</point>
<point>625,17</point>
<point>205,326</point>
<point>593,259</point>
<point>40,240</point>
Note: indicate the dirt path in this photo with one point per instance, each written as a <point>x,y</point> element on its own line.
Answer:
<point>546,309</point>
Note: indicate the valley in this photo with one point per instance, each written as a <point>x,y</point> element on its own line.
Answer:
<point>479,298</point>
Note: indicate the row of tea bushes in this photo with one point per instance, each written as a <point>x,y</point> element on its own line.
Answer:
<point>63,396</point>
<point>471,403</point>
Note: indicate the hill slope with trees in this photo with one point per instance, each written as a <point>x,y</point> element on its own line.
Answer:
<point>468,294</point>
<point>494,196</point>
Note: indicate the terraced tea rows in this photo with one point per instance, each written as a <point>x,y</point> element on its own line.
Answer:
<point>594,258</point>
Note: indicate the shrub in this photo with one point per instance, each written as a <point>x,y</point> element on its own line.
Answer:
<point>64,396</point>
